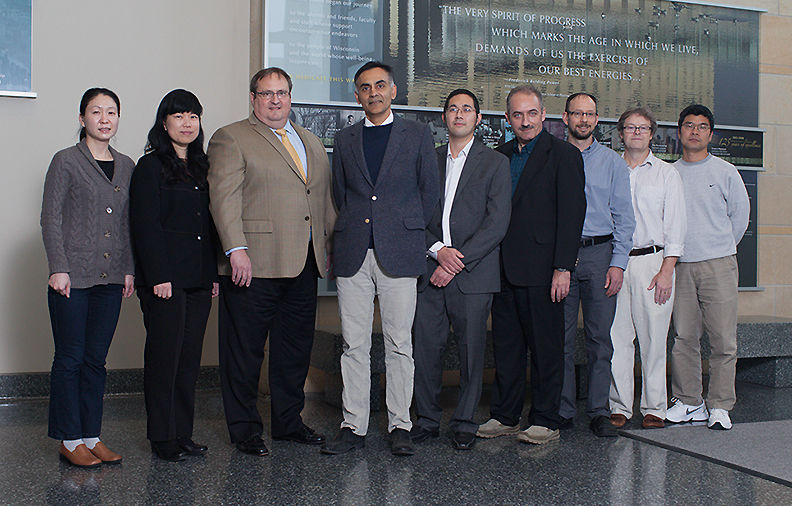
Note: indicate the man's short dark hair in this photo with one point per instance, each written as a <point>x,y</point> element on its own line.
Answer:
<point>374,65</point>
<point>528,89</point>
<point>264,73</point>
<point>637,111</point>
<point>696,110</point>
<point>580,94</point>
<point>462,91</point>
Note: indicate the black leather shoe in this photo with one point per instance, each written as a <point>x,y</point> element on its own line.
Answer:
<point>566,423</point>
<point>464,440</point>
<point>602,427</point>
<point>189,447</point>
<point>401,444</point>
<point>304,435</point>
<point>253,445</point>
<point>418,434</point>
<point>168,450</point>
<point>345,441</point>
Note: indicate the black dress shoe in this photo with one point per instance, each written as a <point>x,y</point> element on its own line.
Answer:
<point>253,445</point>
<point>401,444</point>
<point>602,427</point>
<point>168,450</point>
<point>304,435</point>
<point>189,447</point>
<point>464,440</point>
<point>418,434</point>
<point>566,423</point>
<point>345,441</point>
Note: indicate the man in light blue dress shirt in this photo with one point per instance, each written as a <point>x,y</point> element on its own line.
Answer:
<point>602,259</point>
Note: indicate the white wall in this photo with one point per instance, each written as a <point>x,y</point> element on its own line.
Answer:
<point>140,49</point>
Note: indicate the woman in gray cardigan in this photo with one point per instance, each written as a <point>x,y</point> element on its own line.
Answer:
<point>85,224</point>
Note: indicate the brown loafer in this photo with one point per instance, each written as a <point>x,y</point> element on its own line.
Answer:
<point>104,454</point>
<point>80,457</point>
<point>653,422</point>
<point>618,420</point>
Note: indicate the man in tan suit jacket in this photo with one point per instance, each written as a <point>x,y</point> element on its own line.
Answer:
<point>269,186</point>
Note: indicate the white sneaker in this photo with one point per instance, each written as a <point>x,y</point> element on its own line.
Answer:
<point>536,434</point>
<point>681,412</point>
<point>494,428</point>
<point>719,419</point>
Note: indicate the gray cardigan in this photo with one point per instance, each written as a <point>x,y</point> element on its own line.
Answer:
<point>85,218</point>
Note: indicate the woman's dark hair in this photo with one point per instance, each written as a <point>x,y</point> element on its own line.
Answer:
<point>90,95</point>
<point>159,143</point>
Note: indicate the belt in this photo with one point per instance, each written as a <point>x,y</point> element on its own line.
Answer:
<point>593,241</point>
<point>645,251</point>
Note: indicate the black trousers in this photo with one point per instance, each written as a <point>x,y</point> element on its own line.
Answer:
<point>172,358</point>
<point>524,318</point>
<point>284,309</point>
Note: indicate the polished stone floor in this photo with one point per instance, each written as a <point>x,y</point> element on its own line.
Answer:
<point>578,470</point>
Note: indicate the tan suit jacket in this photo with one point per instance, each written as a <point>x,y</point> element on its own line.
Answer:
<point>258,199</point>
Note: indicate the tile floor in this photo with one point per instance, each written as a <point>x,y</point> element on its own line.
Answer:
<point>578,470</point>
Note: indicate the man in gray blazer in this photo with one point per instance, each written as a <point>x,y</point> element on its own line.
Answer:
<point>385,185</point>
<point>462,240</point>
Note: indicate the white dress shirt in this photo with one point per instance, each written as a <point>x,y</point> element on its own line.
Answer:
<point>387,121</point>
<point>454,168</point>
<point>659,205</point>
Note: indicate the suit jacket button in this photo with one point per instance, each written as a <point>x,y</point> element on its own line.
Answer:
<point>307,218</point>
<point>199,237</point>
<point>107,234</point>
<point>106,255</point>
<point>117,188</point>
<point>308,192</point>
<point>103,275</point>
<point>109,210</point>
<point>367,220</point>
<point>373,197</point>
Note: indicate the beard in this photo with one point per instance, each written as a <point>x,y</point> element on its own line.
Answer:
<point>581,137</point>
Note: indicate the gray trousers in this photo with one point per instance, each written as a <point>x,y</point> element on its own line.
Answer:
<point>436,308</point>
<point>587,288</point>
<point>397,308</point>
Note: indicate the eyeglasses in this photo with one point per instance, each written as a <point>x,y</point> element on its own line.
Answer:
<point>633,128</point>
<point>581,114</point>
<point>701,127</point>
<point>267,95</point>
<point>454,109</point>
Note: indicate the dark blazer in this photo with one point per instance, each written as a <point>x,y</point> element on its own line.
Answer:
<point>395,210</point>
<point>479,218</point>
<point>172,230</point>
<point>548,209</point>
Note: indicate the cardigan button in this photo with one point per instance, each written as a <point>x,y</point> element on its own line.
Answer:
<point>107,234</point>
<point>307,218</point>
<point>117,188</point>
<point>373,197</point>
<point>366,220</point>
<point>103,275</point>
<point>106,255</point>
<point>109,210</point>
<point>199,237</point>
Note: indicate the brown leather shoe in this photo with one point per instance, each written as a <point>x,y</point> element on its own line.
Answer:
<point>80,457</point>
<point>653,422</point>
<point>104,454</point>
<point>618,420</point>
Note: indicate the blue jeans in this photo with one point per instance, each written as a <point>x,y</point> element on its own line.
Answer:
<point>82,327</point>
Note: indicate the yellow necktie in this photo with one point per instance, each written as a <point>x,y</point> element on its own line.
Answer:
<point>292,152</point>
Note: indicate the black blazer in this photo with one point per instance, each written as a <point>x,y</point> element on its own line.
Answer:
<point>173,235</point>
<point>548,209</point>
<point>479,218</point>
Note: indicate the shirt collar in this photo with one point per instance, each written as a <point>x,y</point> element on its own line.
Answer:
<point>594,145</point>
<point>464,150</point>
<point>388,121</point>
<point>288,127</point>
<point>650,159</point>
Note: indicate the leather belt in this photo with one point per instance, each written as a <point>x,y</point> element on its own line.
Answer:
<point>593,241</point>
<point>645,251</point>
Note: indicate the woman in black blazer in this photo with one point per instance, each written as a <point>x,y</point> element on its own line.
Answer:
<point>176,269</point>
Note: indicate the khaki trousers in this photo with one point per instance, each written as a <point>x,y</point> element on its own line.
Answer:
<point>706,300</point>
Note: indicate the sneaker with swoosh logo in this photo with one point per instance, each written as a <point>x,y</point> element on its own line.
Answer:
<point>680,412</point>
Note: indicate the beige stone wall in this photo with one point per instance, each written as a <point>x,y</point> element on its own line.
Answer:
<point>775,185</point>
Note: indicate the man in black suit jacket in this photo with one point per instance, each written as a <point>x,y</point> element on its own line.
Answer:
<point>538,253</point>
<point>462,240</point>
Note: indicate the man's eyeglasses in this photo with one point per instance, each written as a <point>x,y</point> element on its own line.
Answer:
<point>701,127</point>
<point>267,95</point>
<point>641,129</point>
<point>581,114</point>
